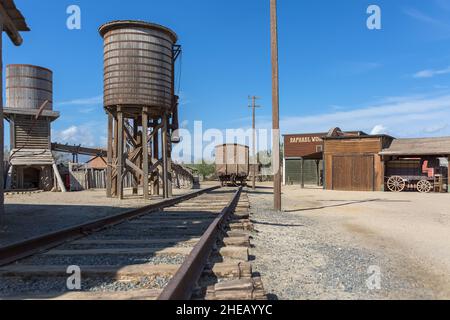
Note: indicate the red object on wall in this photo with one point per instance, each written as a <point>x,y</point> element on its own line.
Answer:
<point>428,171</point>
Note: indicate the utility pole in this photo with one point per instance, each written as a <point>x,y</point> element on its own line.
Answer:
<point>254,106</point>
<point>275,106</point>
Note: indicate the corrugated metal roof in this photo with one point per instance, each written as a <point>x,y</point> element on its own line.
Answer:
<point>418,147</point>
<point>15,15</point>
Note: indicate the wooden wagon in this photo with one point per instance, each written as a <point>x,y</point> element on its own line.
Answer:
<point>422,184</point>
<point>413,175</point>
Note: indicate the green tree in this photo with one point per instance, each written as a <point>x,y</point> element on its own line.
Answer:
<point>204,169</point>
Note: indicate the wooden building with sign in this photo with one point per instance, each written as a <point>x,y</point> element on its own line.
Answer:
<point>302,162</point>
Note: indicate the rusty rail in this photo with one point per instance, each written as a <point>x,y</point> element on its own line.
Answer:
<point>181,286</point>
<point>32,246</point>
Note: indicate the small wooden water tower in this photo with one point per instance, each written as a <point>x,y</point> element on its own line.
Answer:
<point>139,68</point>
<point>29,110</point>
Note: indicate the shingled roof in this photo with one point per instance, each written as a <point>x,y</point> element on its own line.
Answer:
<point>418,147</point>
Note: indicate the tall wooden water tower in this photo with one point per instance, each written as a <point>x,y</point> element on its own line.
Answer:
<point>29,110</point>
<point>139,68</point>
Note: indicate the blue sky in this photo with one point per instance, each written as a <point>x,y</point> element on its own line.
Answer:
<point>333,70</point>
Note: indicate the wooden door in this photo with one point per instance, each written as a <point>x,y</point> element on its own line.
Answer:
<point>353,173</point>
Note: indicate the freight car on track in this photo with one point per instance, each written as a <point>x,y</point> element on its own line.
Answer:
<point>232,164</point>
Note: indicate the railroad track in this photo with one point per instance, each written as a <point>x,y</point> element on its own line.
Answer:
<point>191,247</point>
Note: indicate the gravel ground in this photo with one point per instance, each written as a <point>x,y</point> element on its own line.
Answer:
<point>308,254</point>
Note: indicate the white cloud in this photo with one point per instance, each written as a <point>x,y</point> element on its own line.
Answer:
<point>76,135</point>
<point>423,17</point>
<point>379,129</point>
<point>429,73</point>
<point>83,101</point>
<point>408,117</point>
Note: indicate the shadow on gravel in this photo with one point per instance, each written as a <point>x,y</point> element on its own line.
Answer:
<point>258,192</point>
<point>278,224</point>
<point>341,204</point>
<point>272,297</point>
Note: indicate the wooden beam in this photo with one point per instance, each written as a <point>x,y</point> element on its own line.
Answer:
<point>155,175</point>
<point>109,156</point>
<point>240,253</point>
<point>122,273</point>
<point>120,156</point>
<point>58,178</point>
<point>129,136</point>
<point>145,162</point>
<point>10,27</point>
<point>165,154</point>
<point>134,167</point>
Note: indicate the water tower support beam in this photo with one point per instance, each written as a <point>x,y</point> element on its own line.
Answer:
<point>120,144</point>
<point>165,145</point>
<point>110,156</point>
<point>145,152</point>
<point>155,175</point>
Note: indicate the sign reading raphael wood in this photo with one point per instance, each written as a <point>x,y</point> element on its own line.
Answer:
<point>301,145</point>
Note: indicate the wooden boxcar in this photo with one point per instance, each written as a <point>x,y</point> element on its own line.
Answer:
<point>232,163</point>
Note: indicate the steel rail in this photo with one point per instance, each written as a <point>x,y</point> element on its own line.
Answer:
<point>181,286</point>
<point>23,249</point>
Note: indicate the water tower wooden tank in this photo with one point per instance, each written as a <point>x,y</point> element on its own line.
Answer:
<point>29,110</point>
<point>139,68</point>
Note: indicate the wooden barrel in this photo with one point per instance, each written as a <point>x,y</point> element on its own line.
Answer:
<point>138,64</point>
<point>28,87</point>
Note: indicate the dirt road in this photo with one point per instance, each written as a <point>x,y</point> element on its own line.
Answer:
<point>353,245</point>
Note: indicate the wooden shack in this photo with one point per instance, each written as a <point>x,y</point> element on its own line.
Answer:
<point>12,22</point>
<point>303,157</point>
<point>354,163</point>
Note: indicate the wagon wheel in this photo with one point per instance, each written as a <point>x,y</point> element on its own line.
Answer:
<point>424,186</point>
<point>396,184</point>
